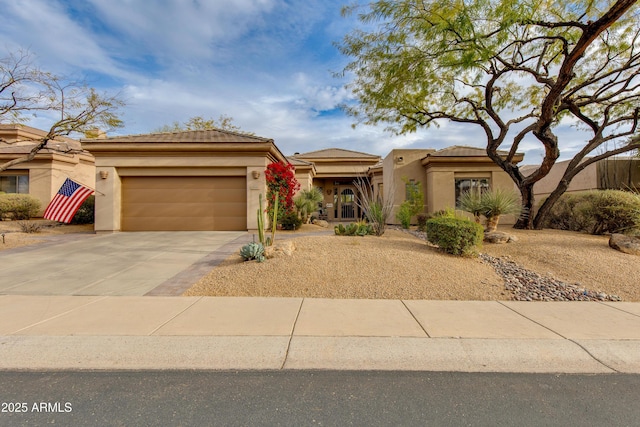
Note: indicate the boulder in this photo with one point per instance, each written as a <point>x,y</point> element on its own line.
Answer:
<point>321,223</point>
<point>627,244</point>
<point>499,237</point>
<point>280,249</point>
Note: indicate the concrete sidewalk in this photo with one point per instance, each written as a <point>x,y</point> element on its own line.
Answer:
<point>105,332</point>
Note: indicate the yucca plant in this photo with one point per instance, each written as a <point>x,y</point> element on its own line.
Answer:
<point>490,204</point>
<point>496,203</point>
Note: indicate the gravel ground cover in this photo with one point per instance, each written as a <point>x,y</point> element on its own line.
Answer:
<point>14,237</point>
<point>553,265</point>
<point>541,265</point>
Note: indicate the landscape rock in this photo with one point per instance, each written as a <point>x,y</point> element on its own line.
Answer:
<point>499,237</point>
<point>280,249</point>
<point>321,223</point>
<point>627,244</point>
<point>526,285</point>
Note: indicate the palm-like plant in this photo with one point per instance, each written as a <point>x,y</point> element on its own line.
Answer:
<point>471,201</point>
<point>306,202</point>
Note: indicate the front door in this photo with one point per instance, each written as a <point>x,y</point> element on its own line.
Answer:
<point>345,206</point>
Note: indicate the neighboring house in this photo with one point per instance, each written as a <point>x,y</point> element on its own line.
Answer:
<point>42,176</point>
<point>619,173</point>
<point>190,180</point>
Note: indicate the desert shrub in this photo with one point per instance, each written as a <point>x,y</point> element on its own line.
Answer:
<point>291,221</point>
<point>376,209</point>
<point>29,227</point>
<point>597,212</point>
<point>252,251</point>
<point>18,206</point>
<point>86,213</point>
<point>422,222</point>
<point>456,236</point>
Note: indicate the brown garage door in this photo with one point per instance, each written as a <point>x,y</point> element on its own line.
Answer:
<point>175,203</point>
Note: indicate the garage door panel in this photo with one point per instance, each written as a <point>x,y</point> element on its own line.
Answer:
<point>184,203</point>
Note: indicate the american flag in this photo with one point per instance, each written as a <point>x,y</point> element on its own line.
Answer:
<point>67,201</point>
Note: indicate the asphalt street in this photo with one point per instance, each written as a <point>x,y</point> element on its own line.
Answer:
<point>328,398</point>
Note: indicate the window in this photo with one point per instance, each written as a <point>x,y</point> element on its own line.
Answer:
<point>479,185</point>
<point>14,184</point>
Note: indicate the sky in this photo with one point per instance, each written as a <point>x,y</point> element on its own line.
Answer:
<point>268,64</point>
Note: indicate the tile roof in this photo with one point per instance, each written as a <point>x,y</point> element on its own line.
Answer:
<point>463,151</point>
<point>193,136</point>
<point>335,153</point>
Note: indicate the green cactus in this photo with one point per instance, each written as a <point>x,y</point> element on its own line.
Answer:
<point>261,222</point>
<point>352,229</point>
<point>252,251</point>
<point>274,220</point>
<point>339,230</point>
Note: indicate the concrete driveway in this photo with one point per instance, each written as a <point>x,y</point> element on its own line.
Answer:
<point>145,263</point>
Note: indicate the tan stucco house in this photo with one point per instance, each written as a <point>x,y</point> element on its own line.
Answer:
<point>211,179</point>
<point>42,176</point>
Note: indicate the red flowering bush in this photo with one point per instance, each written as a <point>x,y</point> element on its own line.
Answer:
<point>281,182</point>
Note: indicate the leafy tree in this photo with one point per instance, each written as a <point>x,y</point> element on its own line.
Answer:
<point>200,123</point>
<point>413,205</point>
<point>26,90</point>
<point>516,69</point>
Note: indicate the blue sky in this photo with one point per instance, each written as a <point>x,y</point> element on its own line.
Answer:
<point>269,64</point>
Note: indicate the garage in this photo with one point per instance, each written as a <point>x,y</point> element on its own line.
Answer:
<point>179,203</point>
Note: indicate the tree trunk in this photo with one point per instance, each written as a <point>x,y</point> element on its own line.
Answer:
<point>525,220</point>
<point>492,223</point>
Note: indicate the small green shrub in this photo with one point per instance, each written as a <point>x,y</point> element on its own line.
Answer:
<point>291,221</point>
<point>86,213</point>
<point>18,206</point>
<point>252,251</point>
<point>597,212</point>
<point>456,236</point>
<point>404,215</point>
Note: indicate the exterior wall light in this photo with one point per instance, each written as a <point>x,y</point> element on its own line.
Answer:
<point>255,174</point>
<point>104,174</point>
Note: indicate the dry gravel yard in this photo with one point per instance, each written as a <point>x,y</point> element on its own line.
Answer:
<point>398,266</point>
<point>14,237</point>
<point>401,266</point>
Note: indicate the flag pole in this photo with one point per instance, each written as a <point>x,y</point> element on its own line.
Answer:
<point>89,187</point>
